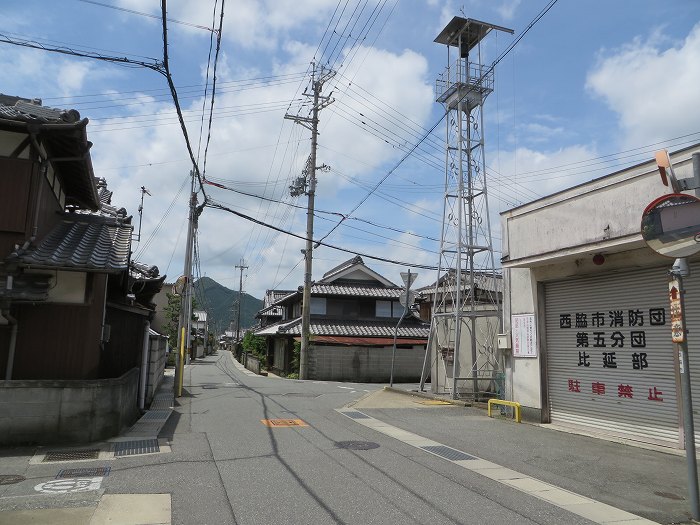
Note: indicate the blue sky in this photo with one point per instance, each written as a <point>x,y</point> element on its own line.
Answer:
<point>593,87</point>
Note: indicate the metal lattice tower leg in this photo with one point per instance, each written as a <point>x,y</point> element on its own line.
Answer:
<point>466,313</point>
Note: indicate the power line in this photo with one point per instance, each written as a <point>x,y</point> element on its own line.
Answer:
<point>154,64</point>
<point>211,204</point>
<point>140,13</point>
<point>442,117</point>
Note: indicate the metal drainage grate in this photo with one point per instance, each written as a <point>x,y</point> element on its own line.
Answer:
<point>146,427</point>
<point>356,445</point>
<point>447,452</point>
<point>83,472</point>
<point>155,415</point>
<point>357,415</point>
<point>71,455</point>
<point>162,403</point>
<point>132,448</point>
<point>11,479</point>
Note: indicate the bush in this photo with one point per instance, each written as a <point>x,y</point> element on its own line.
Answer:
<point>294,365</point>
<point>256,345</point>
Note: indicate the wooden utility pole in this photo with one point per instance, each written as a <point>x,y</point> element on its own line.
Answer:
<point>307,184</point>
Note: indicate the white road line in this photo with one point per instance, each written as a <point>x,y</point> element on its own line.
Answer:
<point>588,508</point>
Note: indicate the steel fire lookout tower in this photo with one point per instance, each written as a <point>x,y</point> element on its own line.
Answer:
<point>466,313</point>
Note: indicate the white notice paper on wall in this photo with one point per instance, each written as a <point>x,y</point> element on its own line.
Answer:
<point>524,335</point>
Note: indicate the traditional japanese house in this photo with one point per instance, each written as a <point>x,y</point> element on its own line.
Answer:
<point>354,315</point>
<point>74,310</point>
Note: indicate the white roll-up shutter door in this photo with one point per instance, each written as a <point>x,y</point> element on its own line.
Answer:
<point>610,359</point>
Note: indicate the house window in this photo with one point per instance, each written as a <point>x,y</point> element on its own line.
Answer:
<point>383,309</point>
<point>389,309</point>
<point>318,306</point>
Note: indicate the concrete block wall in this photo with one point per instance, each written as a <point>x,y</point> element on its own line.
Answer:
<point>156,366</point>
<point>252,363</point>
<point>365,364</point>
<point>67,411</point>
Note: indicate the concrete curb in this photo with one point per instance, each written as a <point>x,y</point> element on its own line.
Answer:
<point>426,395</point>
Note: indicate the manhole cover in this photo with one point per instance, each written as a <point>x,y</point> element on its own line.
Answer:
<point>356,445</point>
<point>71,455</point>
<point>11,479</point>
<point>83,472</point>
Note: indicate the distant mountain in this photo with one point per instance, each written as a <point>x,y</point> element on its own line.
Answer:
<point>220,303</point>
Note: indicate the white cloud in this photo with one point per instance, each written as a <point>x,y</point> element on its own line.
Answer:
<point>508,8</point>
<point>47,70</point>
<point>244,149</point>
<point>653,90</point>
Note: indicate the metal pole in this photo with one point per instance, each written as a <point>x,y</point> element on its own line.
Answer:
<point>396,331</point>
<point>460,244</point>
<point>678,273</point>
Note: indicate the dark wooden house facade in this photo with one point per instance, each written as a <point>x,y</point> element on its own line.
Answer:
<point>73,306</point>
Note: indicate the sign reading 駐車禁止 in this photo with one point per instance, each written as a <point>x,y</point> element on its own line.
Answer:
<point>609,343</point>
<point>524,335</point>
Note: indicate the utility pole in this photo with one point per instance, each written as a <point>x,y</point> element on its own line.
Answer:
<point>184,329</point>
<point>307,184</point>
<point>240,300</point>
<point>144,191</point>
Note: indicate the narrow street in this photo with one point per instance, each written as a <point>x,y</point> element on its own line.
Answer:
<point>356,454</point>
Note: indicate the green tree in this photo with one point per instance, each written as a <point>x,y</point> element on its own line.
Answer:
<point>172,316</point>
<point>294,365</point>
<point>256,345</point>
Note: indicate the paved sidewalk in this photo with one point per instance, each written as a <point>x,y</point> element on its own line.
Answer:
<point>605,481</point>
<point>61,485</point>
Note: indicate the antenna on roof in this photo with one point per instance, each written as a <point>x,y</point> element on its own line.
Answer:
<point>144,191</point>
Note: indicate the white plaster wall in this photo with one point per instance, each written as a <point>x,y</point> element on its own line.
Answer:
<point>554,237</point>
<point>607,208</point>
<point>523,372</point>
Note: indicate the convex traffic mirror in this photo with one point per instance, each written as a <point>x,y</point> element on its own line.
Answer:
<point>671,225</point>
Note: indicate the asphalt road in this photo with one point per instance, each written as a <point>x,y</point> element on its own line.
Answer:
<point>353,455</point>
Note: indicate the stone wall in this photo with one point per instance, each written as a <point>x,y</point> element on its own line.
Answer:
<point>365,364</point>
<point>67,411</point>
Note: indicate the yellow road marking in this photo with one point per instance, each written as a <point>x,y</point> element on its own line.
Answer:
<point>277,423</point>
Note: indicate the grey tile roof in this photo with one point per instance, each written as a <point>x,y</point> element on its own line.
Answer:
<point>144,270</point>
<point>344,265</point>
<point>353,328</point>
<point>26,111</point>
<point>64,136</point>
<point>355,290</point>
<point>83,242</point>
<point>272,310</point>
<point>482,280</point>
